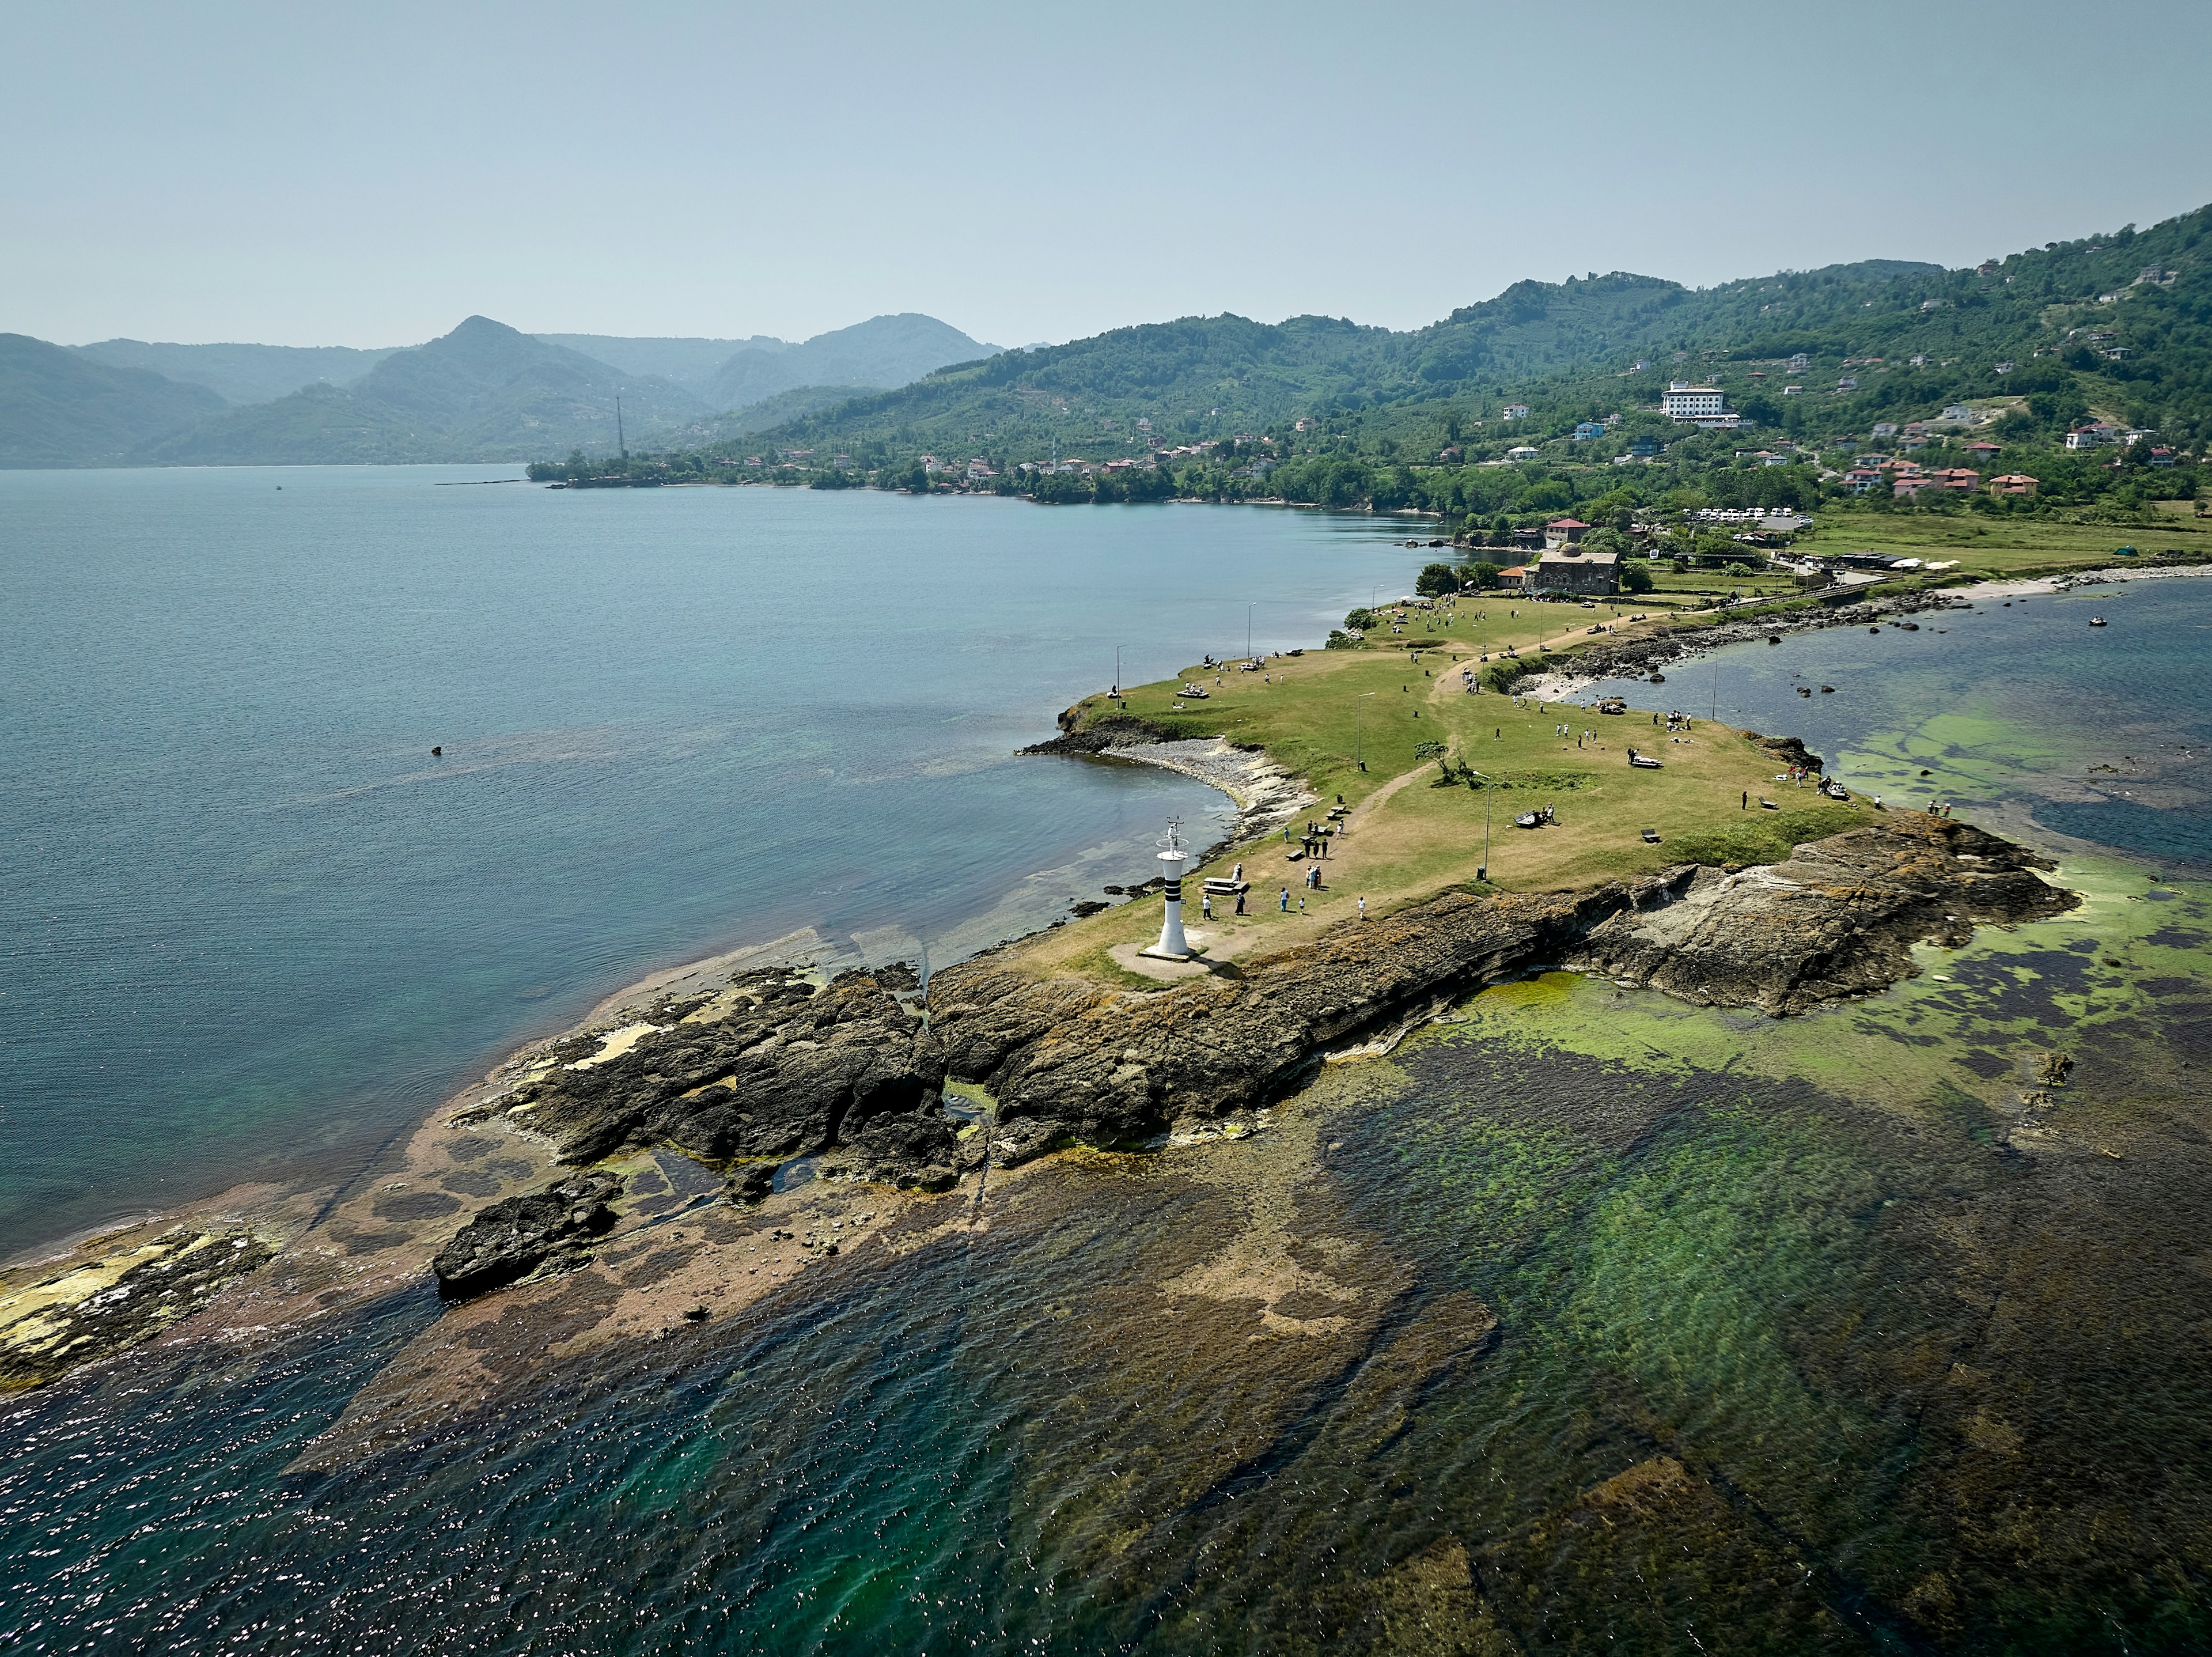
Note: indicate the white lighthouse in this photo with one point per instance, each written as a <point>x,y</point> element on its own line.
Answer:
<point>1172,944</point>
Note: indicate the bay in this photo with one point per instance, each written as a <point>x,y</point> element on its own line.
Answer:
<point>252,927</point>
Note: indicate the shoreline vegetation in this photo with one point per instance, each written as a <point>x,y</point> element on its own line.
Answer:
<point>784,1105</point>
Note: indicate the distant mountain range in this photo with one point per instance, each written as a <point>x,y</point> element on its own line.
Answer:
<point>483,392</point>
<point>58,408</point>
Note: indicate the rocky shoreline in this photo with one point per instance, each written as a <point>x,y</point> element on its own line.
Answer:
<point>853,1072</point>
<point>857,1080</point>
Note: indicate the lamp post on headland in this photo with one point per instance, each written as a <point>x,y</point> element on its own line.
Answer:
<point>1172,944</point>
<point>1483,873</point>
<point>1358,750</point>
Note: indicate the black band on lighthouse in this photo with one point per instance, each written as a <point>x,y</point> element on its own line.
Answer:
<point>1175,891</point>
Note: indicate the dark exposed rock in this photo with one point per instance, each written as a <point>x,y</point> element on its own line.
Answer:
<point>751,1183</point>
<point>1070,1062</point>
<point>1838,918</point>
<point>893,1147</point>
<point>781,1073</point>
<point>1786,750</point>
<point>512,1239</point>
<point>1114,731</point>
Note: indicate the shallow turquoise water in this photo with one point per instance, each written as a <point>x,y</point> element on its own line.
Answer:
<point>250,922</point>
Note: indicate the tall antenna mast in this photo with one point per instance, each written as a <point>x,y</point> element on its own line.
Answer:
<point>619,442</point>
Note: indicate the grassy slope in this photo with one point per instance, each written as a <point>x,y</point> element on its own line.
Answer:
<point>1409,838</point>
<point>2009,547</point>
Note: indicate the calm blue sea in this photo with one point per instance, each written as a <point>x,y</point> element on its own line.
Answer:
<point>250,924</point>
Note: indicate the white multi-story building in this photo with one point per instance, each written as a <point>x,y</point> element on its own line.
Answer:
<point>1684,401</point>
<point>1704,405</point>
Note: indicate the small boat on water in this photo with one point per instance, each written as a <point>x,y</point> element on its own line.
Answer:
<point>2098,621</point>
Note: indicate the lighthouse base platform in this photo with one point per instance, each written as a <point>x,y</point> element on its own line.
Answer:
<point>1146,961</point>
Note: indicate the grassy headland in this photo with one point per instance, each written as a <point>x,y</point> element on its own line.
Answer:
<point>1416,821</point>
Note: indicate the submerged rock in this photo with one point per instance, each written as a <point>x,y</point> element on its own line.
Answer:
<point>513,1237</point>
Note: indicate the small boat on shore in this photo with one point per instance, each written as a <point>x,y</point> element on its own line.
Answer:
<point>1644,762</point>
<point>1527,819</point>
<point>1834,789</point>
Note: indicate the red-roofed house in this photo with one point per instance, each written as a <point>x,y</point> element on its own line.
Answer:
<point>2014,483</point>
<point>1563,531</point>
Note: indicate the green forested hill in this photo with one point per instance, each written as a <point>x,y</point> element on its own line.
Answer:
<point>1572,350</point>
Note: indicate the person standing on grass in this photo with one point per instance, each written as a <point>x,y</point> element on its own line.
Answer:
<point>1284,902</point>
<point>1206,904</point>
<point>1363,908</point>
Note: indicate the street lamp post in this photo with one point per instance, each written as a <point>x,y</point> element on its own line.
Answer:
<point>1483,872</point>
<point>1248,632</point>
<point>1359,749</point>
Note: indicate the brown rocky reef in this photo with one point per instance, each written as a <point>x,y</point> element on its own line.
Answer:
<point>780,1068</point>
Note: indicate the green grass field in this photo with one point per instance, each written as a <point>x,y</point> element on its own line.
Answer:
<point>2005,546</point>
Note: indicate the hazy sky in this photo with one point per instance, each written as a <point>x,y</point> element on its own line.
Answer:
<point>370,175</point>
